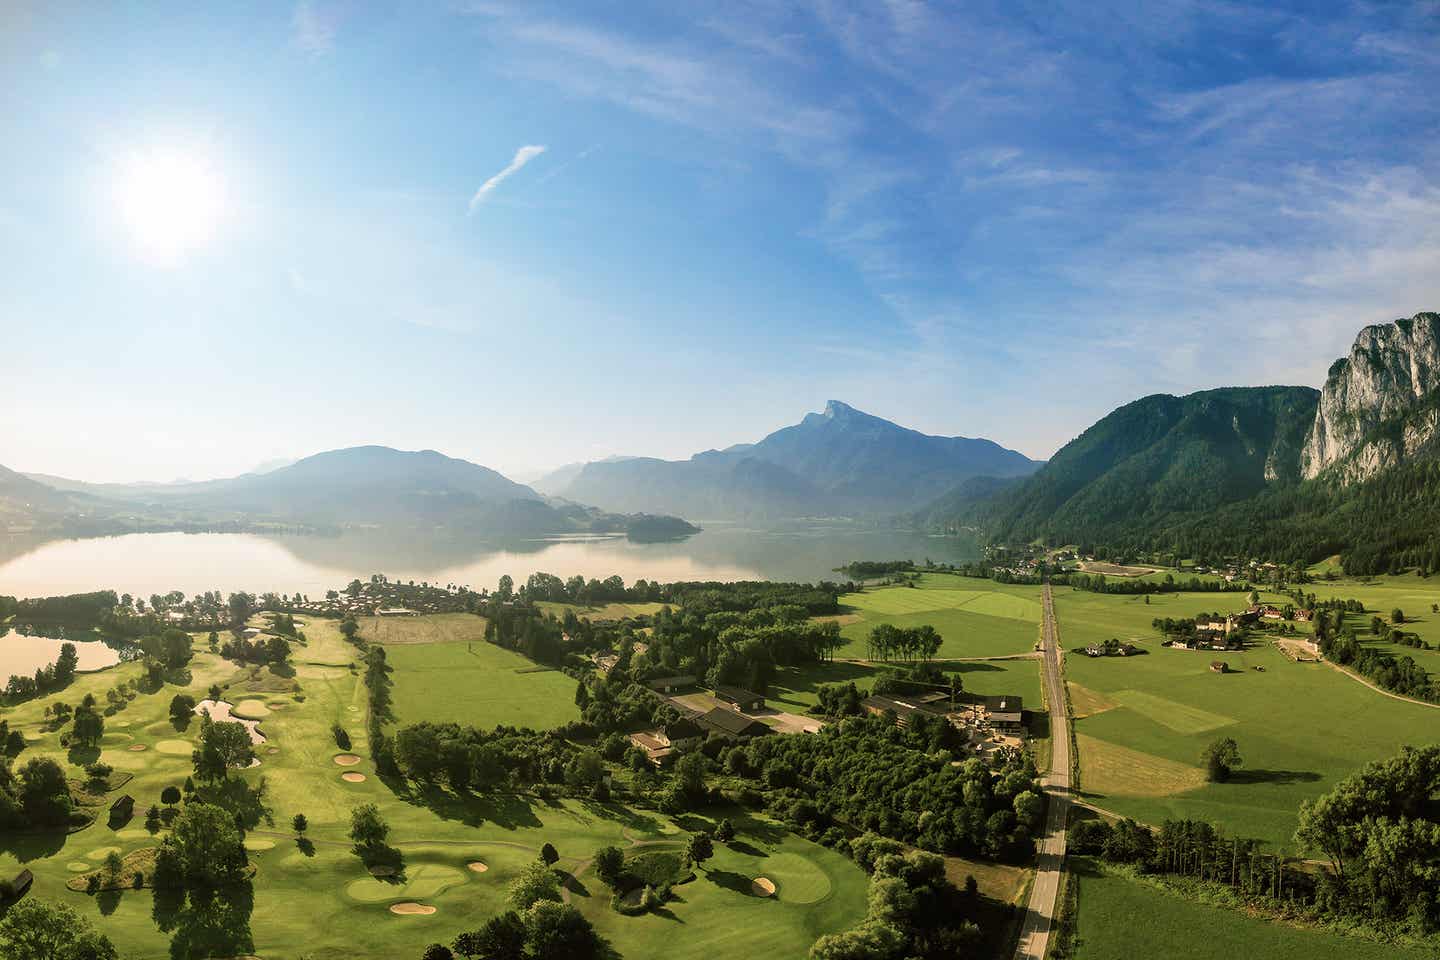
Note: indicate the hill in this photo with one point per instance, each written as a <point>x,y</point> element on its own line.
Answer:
<point>841,461</point>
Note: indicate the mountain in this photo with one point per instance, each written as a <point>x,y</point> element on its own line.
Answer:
<point>841,461</point>
<point>1380,406</point>
<point>1160,456</point>
<point>357,486</point>
<point>554,482</point>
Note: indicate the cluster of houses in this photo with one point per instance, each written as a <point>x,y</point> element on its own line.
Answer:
<point>730,716</point>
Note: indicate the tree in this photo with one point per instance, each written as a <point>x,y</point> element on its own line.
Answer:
<point>66,664</point>
<point>173,647</point>
<point>170,795</point>
<point>36,930</point>
<point>182,707</point>
<point>557,931</point>
<point>152,818</point>
<point>501,938</point>
<point>207,849</point>
<point>549,854</point>
<point>113,865</point>
<point>1221,758</point>
<point>349,627</point>
<point>610,866</point>
<point>89,726</point>
<point>44,793</point>
<point>699,849</point>
<point>222,746</point>
<point>725,831</point>
<point>299,824</point>
<point>690,773</point>
<point>277,649</point>
<point>437,951</point>
<point>367,828</point>
<point>1397,616</point>
<point>535,883</point>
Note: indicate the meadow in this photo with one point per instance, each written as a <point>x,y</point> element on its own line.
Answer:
<point>1121,917</point>
<point>603,611</point>
<point>1143,721</point>
<point>477,683</point>
<point>975,618</point>
<point>317,899</point>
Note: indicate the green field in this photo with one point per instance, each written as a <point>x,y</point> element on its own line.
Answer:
<point>1144,720</point>
<point>794,687</point>
<point>604,611</point>
<point>322,903</point>
<point>1118,917</point>
<point>477,683</point>
<point>975,618</point>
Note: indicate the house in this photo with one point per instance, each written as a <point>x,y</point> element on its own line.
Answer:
<point>681,729</point>
<point>395,612</point>
<point>605,662</point>
<point>1219,666</point>
<point>1126,649</point>
<point>903,710</point>
<point>1095,650</point>
<point>739,698</point>
<point>730,723</point>
<point>671,684</point>
<point>1005,713</point>
<point>1304,616</point>
<point>122,809</point>
<point>1272,613</point>
<point>656,746</point>
<point>250,633</point>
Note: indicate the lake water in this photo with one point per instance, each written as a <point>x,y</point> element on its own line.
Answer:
<point>25,655</point>
<point>146,563</point>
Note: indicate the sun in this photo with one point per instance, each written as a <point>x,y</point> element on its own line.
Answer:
<point>171,201</point>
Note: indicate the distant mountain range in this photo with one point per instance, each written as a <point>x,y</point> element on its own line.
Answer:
<point>1288,472</point>
<point>371,485</point>
<point>839,462</point>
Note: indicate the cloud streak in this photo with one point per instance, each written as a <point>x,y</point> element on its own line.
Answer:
<point>522,156</point>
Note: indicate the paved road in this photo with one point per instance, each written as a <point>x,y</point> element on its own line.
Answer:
<point>1045,892</point>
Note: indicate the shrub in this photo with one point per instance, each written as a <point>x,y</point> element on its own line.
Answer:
<point>342,739</point>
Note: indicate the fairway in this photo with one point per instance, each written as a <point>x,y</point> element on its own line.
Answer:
<point>318,900</point>
<point>1300,727</point>
<point>1121,918</point>
<point>480,684</point>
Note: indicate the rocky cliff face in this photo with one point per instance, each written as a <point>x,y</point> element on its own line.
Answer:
<point>1381,405</point>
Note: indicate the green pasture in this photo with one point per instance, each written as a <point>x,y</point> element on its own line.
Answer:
<point>477,683</point>
<point>603,611</point>
<point>1300,727</point>
<point>794,688</point>
<point>319,901</point>
<point>1120,917</point>
<point>975,618</point>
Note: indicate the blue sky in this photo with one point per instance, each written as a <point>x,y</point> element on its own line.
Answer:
<point>530,234</point>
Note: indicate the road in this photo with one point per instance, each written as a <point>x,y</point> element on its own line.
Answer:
<point>1045,892</point>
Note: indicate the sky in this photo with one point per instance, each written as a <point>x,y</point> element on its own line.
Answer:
<point>538,233</point>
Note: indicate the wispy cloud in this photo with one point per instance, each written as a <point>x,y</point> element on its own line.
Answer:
<point>522,156</point>
<point>314,27</point>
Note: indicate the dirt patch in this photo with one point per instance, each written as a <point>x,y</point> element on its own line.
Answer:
<point>478,866</point>
<point>1298,650</point>
<point>382,870</point>
<point>353,777</point>
<point>272,750</point>
<point>1113,570</point>
<point>137,748</point>
<point>412,909</point>
<point>346,759</point>
<point>762,887</point>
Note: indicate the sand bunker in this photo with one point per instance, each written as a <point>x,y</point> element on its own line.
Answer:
<point>353,777</point>
<point>382,870</point>
<point>478,866</point>
<point>346,759</point>
<point>79,866</point>
<point>762,887</point>
<point>412,909</point>
<point>221,711</point>
<point>137,748</point>
<point>272,750</point>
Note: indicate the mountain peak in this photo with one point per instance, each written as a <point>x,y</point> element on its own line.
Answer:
<point>836,410</point>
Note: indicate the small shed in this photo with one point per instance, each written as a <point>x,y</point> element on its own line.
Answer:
<point>1219,666</point>
<point>21,884</point>
<point>122,809</point>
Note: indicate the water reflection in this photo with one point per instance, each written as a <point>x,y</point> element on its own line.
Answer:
<point>142,564</point>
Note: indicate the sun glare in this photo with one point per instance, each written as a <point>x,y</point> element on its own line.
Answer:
<point>171,202</point>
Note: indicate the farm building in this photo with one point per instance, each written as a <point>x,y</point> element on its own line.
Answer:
<point>1095,650</point>
<point>395,612</point>
<point>122,809</point>
<point>670,684</point>
<point>739,698</point>
<point>1006,713</point>
<point>732,724</point>
<point>656,746</point>
<point>903,709</point>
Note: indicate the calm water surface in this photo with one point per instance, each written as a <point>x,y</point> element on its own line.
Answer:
<point>146,563</point>
<point>25,655</point>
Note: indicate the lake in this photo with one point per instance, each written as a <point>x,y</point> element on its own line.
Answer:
<point>147,563</point>
<point>25,655</point>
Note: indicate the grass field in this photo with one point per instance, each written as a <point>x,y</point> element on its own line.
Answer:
<point>431,628</point>
<point>975,618</point>
<point>1118,917</point>
<point>604,611</point>
<point>478,683</point>
<point>320,902</point>
<point>1144,720</point>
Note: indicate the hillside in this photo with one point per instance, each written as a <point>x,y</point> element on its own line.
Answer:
<point>841,461</point>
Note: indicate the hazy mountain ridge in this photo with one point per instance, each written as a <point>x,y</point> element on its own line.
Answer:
<point>841,461</point>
